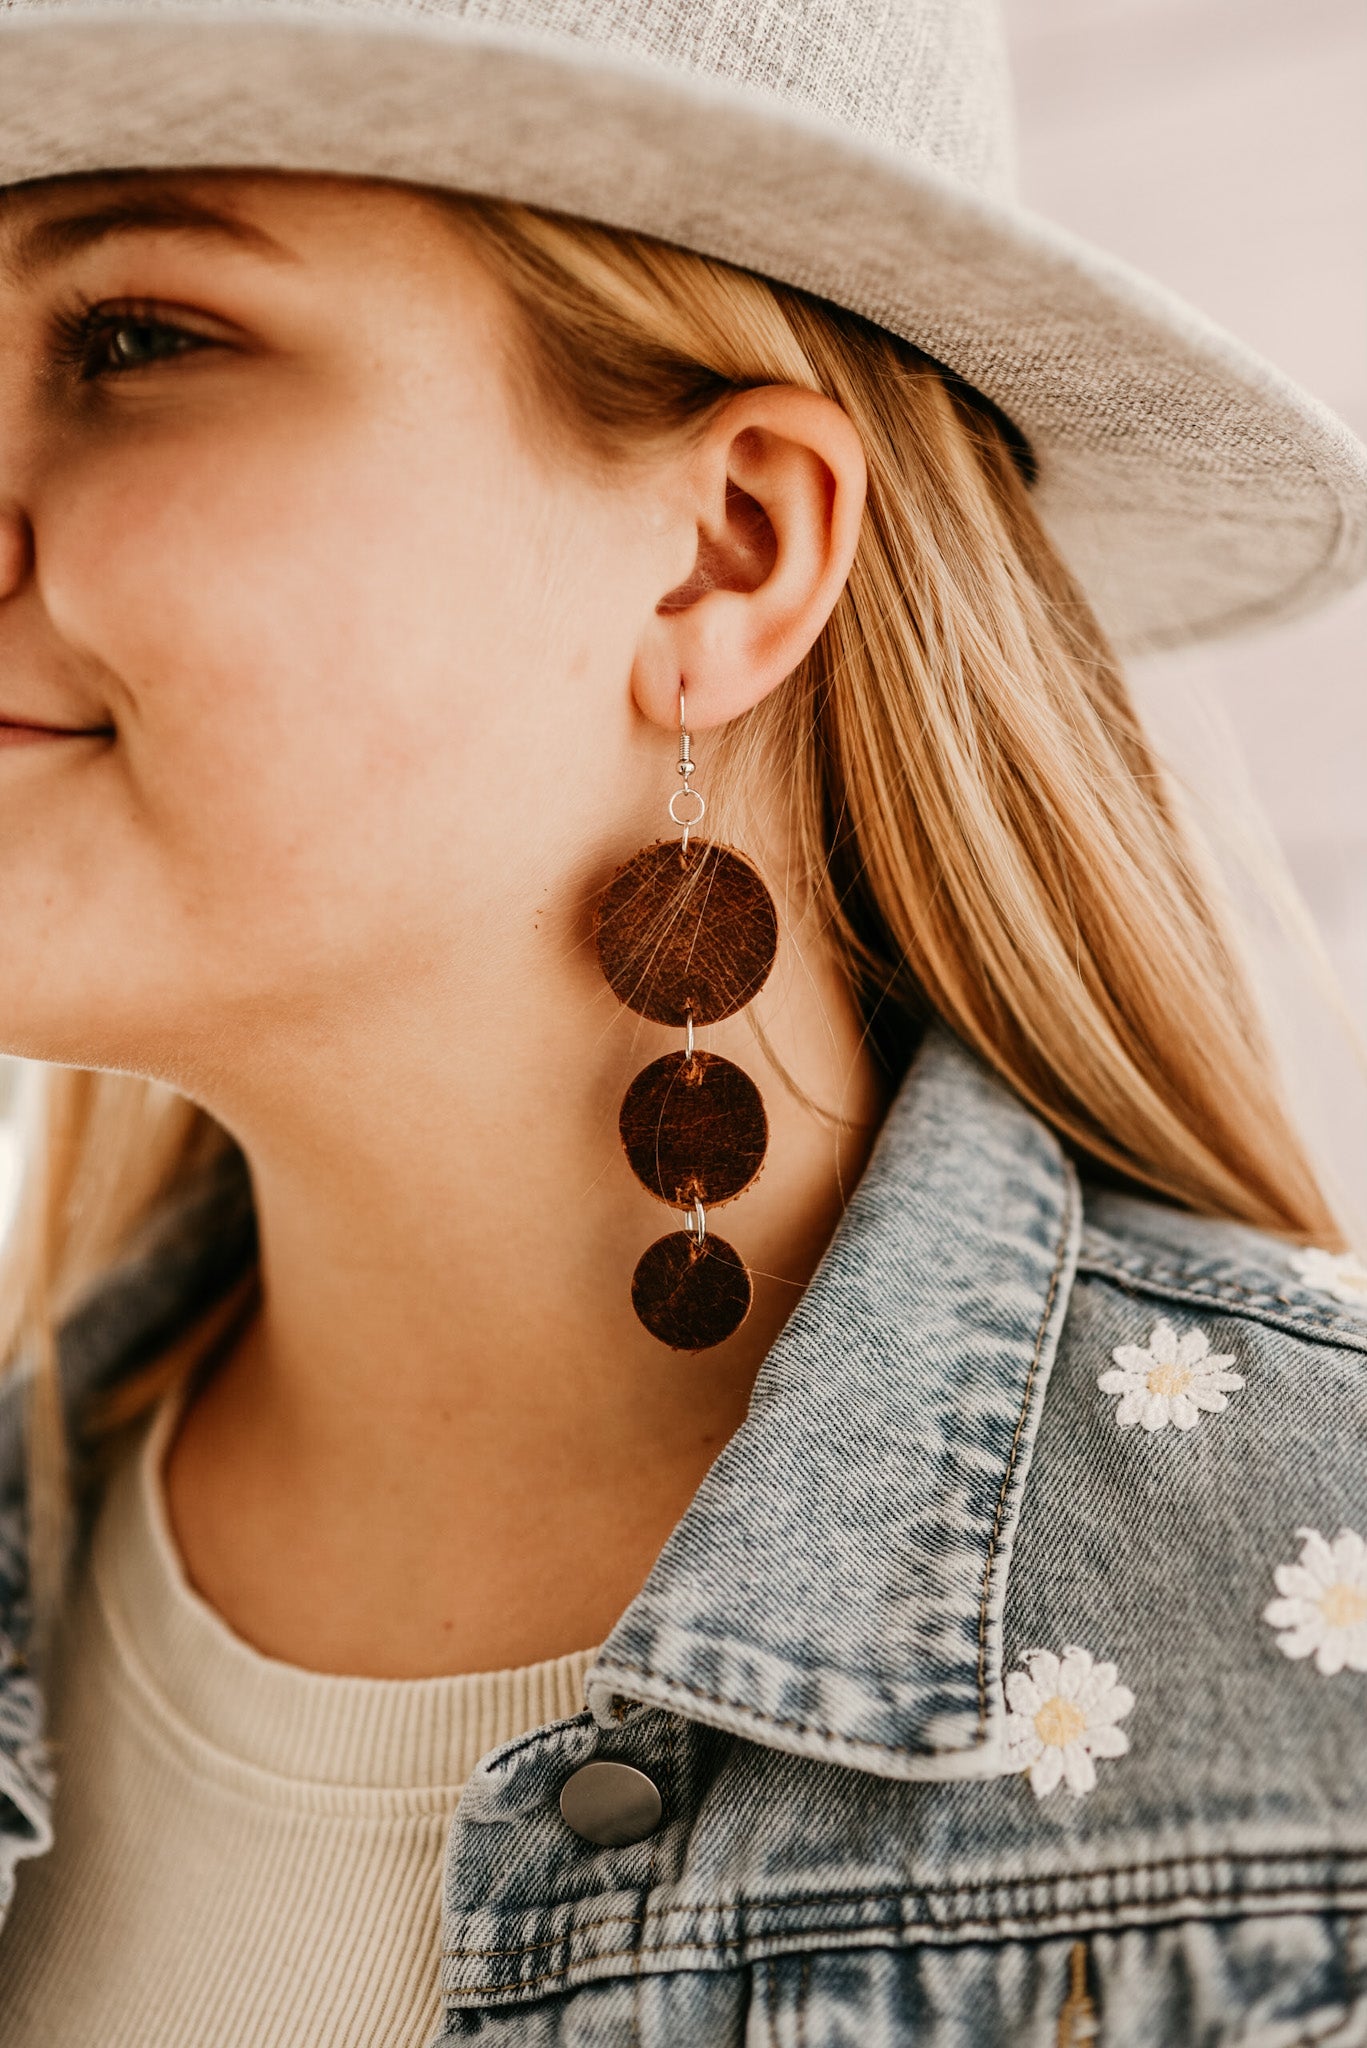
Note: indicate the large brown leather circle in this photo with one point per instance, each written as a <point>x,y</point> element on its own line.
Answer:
<point>691,1296</point>
<point>694,1128</point>
<point>685,935</point>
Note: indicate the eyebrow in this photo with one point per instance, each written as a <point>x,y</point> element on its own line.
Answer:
<point>48,242</point>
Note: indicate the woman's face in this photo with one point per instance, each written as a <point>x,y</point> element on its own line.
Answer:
<point>348,657</point>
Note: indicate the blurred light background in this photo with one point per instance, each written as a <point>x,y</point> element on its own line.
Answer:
<point>1218,145</point>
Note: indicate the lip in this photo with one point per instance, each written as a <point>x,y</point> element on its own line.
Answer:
<point>15,731</point>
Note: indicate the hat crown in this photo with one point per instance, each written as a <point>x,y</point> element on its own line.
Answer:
<point>927,78</point>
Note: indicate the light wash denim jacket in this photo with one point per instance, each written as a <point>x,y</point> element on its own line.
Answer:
<point>997,1686</point>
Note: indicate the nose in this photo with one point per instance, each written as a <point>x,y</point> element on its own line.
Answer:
<point>16,549</point>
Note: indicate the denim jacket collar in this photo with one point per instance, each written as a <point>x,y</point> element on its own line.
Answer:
<point>122,1319</point>
<point>835,1588</point>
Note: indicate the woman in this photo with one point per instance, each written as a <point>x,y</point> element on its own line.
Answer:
<point>933,1607</point>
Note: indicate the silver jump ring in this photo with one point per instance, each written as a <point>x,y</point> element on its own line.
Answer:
<point>698,815</point>
<point>695,1223</point>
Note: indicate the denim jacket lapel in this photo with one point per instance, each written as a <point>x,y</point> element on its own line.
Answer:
<point>121,1319</point>
<point>836,1586</point>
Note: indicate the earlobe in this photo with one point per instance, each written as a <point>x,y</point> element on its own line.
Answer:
<point>777,489</point>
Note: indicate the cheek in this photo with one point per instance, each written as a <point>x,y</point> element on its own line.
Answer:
<point>309,644</point>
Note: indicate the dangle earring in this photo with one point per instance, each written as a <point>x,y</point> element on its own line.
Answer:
<point>686,934</point>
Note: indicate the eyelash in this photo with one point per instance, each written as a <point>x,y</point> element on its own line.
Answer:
<point>78,329</point>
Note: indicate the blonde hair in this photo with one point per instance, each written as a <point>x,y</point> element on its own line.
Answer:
<point>984,826</point>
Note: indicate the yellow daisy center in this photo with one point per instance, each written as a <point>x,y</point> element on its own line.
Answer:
<point>1168,1379</point>
<point>1344,1606</point>
<point>1060,1722</point>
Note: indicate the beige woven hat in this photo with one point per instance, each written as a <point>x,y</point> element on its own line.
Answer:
<point>859,148</point>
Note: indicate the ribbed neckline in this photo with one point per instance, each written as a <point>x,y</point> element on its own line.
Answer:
<point>313,1727</point>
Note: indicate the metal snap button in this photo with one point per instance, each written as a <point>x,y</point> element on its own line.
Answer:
<point>610,1804</point>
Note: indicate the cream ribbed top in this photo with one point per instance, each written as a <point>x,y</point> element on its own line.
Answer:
<point>247,1855</point>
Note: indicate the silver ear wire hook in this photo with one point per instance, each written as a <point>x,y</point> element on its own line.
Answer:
<point>686,773</point>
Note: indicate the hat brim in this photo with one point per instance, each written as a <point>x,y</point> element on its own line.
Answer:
<point>1192,489</point>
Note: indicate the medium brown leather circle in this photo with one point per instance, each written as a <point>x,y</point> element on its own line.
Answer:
<point>694,1128</point>
<point>691,1296</point>
<point>685,935</point>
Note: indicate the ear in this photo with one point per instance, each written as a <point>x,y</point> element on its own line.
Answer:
<point>774,493</point>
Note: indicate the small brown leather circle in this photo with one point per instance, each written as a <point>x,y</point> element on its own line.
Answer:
<point>685,935</point>
<point>694,1128</point>
<point>691,1296</point>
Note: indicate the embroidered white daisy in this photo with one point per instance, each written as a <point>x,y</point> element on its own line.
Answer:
<point>1323,1606</point>
<point>1170,1379</point>
<point>1342,1275</point>
<point>1063,1712</point>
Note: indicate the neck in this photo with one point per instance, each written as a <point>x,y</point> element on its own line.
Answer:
<point>446,1364</point>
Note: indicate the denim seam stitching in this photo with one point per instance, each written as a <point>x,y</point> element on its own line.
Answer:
<point>712,1699</point>
<point>538,1736</point>
<point>945,1890</point>
<point>1060,1253</point>
<point>732,1941</point>
<point>1266,1308</point>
